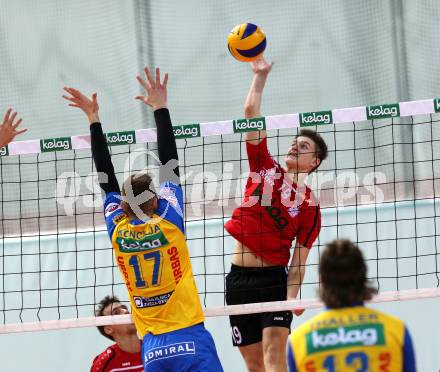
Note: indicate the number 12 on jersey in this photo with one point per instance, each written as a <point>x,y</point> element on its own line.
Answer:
<point>357,360</point>
<point>141,265</point>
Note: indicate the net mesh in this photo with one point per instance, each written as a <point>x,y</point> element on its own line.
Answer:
<point>378,187</point>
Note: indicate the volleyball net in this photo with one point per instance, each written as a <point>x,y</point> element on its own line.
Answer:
<point>378,187</point>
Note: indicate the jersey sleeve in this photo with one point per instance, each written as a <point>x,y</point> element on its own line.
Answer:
<point>259,156</point>
<point>113,212</point>
<point>290,358</point>
<point>166,147</point>
<point>102,159</point>
<point>409,361</point>
<point>170,204</point>
<point>96,367</point>
<point>310,226</point>
<point>101,362</point>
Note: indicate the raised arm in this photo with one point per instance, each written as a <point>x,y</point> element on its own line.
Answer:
<point>8,128</point>
<point>156,98</point>
<point>101,155</point>
<point>252,107</point>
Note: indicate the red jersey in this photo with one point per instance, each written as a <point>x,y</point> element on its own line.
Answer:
<point>115,359</point>
<point>274,211</point>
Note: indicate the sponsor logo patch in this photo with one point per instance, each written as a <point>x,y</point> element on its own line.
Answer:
<point>383,111</point>
<point>315,118</point>
<point>168,194</point>
<point>270,175</point>
<point>336,338</point>
<point>55,144</point>
<point>119,218</point>
<point>111,208</point>
<point>143,302</point>
<point>129,242</point>
<point>249,125</point>
<point>121,138</point>
<point>170,351</point>
<point>124,272</point>
<point>293,211</point>
<point>187,131</point>
<point>173,253</point>
<point>437,104</point>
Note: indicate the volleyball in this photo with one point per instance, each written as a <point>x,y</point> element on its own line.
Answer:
<point>246,42</point>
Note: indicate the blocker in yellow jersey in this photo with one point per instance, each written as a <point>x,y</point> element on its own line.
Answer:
<point>350,339</point>
<point>153,257</point>
<point>148,238</point>
<point>349,336</point>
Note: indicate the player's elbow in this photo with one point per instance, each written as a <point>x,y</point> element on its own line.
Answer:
<point>249,110</point>
<point>296,274</point>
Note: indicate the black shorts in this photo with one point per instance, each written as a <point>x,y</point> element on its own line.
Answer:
<point>246,285</point>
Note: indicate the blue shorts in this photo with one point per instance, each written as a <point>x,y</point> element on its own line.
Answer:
<point>188,349</point>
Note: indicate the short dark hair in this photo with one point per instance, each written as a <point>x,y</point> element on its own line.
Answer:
<point>106,301</point>
<point>320,145</point>
<point>343,274</point>
<point>139,183</point>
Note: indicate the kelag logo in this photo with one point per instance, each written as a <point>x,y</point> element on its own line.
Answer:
<point>249,125</point>
<point>128,243</point>
<point>55,144</point>
<point>4,151</point>
<point>187,131</point>
<point>315,118</point>
<point>336,338</point>
<point>383,111</point>
<point>121,138</point>
<point>437,104</point>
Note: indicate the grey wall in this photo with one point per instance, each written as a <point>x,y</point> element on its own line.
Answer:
<point>327,54</point>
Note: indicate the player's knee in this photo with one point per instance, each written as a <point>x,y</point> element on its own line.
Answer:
<point>255,365</point>
<point>274,355</point>
<point>254,362</point>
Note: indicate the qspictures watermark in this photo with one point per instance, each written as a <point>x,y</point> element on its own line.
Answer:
<point>224,189</point>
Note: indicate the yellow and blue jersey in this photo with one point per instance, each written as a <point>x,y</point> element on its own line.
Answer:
<point>351,339</point>
<point>154,262</point>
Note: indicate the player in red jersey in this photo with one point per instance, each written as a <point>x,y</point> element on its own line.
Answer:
<point>8,128</point>
<point>277,208</point>
<point>125,353</point>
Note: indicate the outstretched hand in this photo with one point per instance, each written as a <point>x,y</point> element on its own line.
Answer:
<point>88,105</point>
<point>261,66</point>
<point>8,129</point>
<point>156,96</point>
